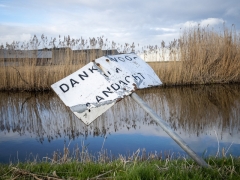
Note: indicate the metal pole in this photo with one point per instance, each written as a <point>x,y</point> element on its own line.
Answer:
<point>169,131</point>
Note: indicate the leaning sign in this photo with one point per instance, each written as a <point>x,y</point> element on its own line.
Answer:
<point>97,86</point>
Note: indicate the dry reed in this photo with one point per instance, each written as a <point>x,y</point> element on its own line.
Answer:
<point>202,56</point>
<point>199,56</point>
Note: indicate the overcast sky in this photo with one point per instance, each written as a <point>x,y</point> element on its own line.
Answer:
<point>146,22</point>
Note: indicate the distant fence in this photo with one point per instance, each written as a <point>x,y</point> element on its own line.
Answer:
<point>54,56</point>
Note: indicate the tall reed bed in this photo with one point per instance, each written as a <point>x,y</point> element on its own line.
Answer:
<point>27,66</point>
<point>199,56</point>
<point>202,56</point>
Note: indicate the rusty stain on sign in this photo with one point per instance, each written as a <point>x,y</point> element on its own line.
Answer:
<point>97,86</point>
<point>128,67</point>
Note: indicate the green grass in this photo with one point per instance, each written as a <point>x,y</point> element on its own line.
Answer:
<point>221,168</point>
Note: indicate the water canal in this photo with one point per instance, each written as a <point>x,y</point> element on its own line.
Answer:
<point>34,125</point>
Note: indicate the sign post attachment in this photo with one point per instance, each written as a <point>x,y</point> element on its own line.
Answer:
<point>169,131</point>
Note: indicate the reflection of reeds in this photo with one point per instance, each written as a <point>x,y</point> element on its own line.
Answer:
<point>197,109</point>
<point>193,110</point>
<point>199,56</point>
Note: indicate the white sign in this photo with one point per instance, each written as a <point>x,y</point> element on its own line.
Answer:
<point>128,70</point>
<point>96,87</point>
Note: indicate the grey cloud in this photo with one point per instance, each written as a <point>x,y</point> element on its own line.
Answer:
<point>122,21</point>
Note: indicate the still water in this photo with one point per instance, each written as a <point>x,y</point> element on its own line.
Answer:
<point>34,125</point>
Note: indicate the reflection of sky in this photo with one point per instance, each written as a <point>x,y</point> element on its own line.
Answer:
<point>14,147</point>
<point>22,147</point>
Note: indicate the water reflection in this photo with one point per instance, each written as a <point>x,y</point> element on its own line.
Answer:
<point>191,111</point>
<point>44,115</point>
<point>198,109</point>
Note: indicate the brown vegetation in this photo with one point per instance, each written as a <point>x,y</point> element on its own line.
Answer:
<point>199,56</point>
<point>202,56</point>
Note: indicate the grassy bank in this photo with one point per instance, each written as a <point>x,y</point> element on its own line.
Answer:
<point>199,56</point>
<point>224,168</point>
<point>81,164</point>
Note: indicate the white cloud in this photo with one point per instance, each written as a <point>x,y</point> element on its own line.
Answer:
<point>190,24</point>
<point>204,22</point>
<point>211,22</point>
<point>15,37</point>
<point>122,21</point>
<point>164,29</point>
